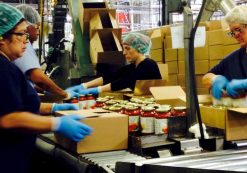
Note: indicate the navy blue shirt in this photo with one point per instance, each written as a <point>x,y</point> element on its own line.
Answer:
<point>16,94</point>
<point>126,77</point>
<point>234,66</point>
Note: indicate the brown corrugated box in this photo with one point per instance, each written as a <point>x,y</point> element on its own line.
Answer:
<point>156,55</point>
<point>110,132</point>
<point>167,42</point>
<point>214,37</point>
<point>233,120</point>
<point>181,80</point>
<point>213,63</point>
<point>172,67</point>
<point>227,49</point>
<point>216,52</point>
<point>104,20</point>
<point>201,53</point>
<point>228,40</point>
<point>106,48</point>
<point>201,67</point>
<point>170,55</point>
<point>172,80</point>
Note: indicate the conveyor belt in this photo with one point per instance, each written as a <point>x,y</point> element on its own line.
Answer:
<point>226,161</point>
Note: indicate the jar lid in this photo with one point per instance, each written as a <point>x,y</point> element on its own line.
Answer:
<point>147,108</point>
<point>110,102</point>
<point>179,108</point>
<point>130,107</point>
<point>163,109</point>
<point>115,108</point>
<point>106,107</point>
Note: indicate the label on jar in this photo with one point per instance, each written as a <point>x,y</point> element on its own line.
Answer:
<point>147,124</point>
<point>133,123</point>
<point>83,104</point>
<point>161,126</point>
<point>91,104</point>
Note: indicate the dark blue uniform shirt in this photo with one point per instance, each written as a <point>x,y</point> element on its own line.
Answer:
<point>126,77</point>
<point>16,94</point>
<point>234,66</point>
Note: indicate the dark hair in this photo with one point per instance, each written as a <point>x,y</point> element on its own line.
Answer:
<point>8,34</point>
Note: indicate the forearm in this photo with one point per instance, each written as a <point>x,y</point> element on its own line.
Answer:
<point>45,83</point>
<point>45,108</point>
<point>94,83</point>
<point>207,79</point>
<point>26,121</point>
<point>105,88</point>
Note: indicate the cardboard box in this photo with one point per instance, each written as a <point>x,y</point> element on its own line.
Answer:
<point>172,67</point>
<point>213,25</point>
<point>87,9</point>
<point>216,52</point>
<point>110,132</point>
<point>167,42</point>
<point>104,20</point>
<point>170,55</point>
<point>201,67</point>
<point>202,90</point>
<point>165,31</point>
<point>156,55</point>
<point>213,63</point>
<point>181,80</point>
<point>227,39</point>
<point>163,70</point>
<point>172,80</point>
<point>233,120</point>
<point>227,49</point>
<point>214,37</point>
<point>118,95</point>
<point>200,53</point>
<point>106,48</point>
<point>172,95</point>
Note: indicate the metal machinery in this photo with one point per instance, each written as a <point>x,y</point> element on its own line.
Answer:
<point>125,161</point>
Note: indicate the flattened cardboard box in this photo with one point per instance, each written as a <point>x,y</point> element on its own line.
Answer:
<point>110,132</point>
<point>233,120</point>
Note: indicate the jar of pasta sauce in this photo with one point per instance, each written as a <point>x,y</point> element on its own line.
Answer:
<point>179,111</point>
<point>134,117</point>
<point>117,109</point>
<point>161,120</point>
<point>82,102</point>
<point>90,101</point>
<point>73,100</point>
<point>100,103</point>
<point>147,120</point>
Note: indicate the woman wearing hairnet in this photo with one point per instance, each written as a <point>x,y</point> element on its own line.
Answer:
<point>230,74</point>
<point>29,63</point>
<point>135,48</point>
<point>19,103</point>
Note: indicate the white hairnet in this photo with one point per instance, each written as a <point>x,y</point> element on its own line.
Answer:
<point>237,15</point>
<point>30,14</point>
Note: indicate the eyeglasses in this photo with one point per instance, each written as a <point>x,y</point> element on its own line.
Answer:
<point>234,32</point>
<point>21,34</point>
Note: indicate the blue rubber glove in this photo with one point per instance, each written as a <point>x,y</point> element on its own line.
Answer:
<point>62,107</point>
<point>219,83</point>
<point>71,127</point>
<point>76,88</point>
<point>94,91</point>
<point>71,94</point>
<point>235,87</point>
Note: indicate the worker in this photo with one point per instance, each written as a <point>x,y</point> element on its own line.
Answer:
<point>29,63</point>
<point>136,47</point>
<point>230,75</point>
<point>20,107</point>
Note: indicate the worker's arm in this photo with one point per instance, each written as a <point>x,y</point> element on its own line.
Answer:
<point>207,79</point>
<point>44,82</point>
<point>51,108</point>
<point>93,83</point>
<point>105,88</point>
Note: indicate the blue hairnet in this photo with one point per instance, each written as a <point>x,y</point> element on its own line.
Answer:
<point>9,17</point>
<point>138,41</point>
<point>30,14</point>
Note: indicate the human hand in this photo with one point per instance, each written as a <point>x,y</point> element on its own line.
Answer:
<point>76,88</point>
<point>219,83</point>
<point>71,94</point>
<point>62,107</point>
<point>71,127</point>
<point>234,87</point>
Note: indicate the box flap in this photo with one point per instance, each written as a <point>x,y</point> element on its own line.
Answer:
<point>239,110</point>
<point>142,86</point>
<point>86,113</point>
<point>167,92</point>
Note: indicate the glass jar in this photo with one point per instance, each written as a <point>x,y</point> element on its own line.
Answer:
<point>90,101</point>
<point>147,120</point>
<point>240,101</point>
<point>134,116</point>
<point>161,120</point>
<point>117,109</point>
<point>82,102</point>
<point>179,111</point>
<point>100,103</point>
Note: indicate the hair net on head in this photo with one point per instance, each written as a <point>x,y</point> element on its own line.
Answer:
<point>138,41</point>
<point>237,15</point>
<point>30,14</point>
<point>9,17</point>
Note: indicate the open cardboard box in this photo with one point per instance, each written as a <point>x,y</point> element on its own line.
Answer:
<point>233,120</point>
<point>110,132</point>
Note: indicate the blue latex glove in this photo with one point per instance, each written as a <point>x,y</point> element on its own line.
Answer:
<point>62,107</point>
<point>71,127</point>
<point>71,94</point>
<point>235,87</point>
<point>76,88</point>
<point>94,91</point>
<point>219,83</point>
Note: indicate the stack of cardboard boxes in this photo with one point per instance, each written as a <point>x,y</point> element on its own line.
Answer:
<point>98,22</point>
